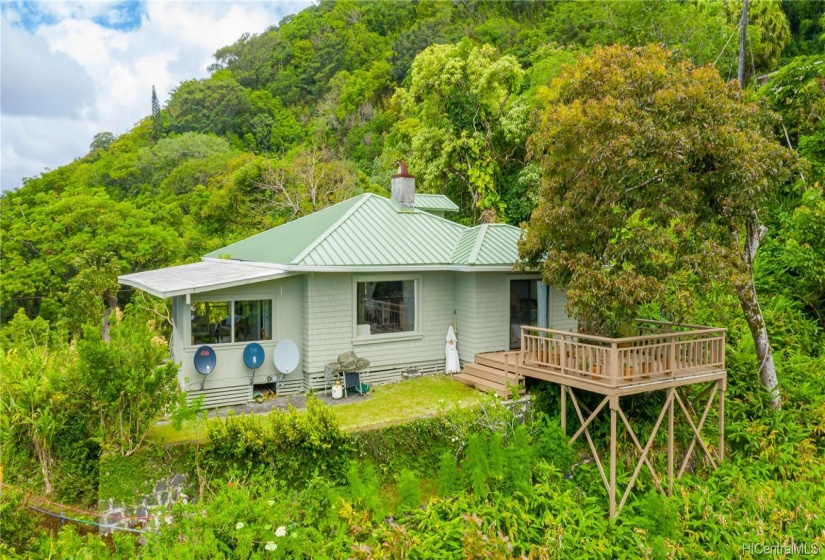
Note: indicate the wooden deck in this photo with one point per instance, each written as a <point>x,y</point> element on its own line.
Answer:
<point>491,372</point>
<point>662,356</point>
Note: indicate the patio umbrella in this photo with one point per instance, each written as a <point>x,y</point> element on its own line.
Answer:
<point>452,353</point>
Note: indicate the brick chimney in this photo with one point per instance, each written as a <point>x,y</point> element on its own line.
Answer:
<point>403,187</point>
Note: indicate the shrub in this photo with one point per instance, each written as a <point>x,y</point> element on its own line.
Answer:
<point>291,444</point>
<point>409,493</point>
<point>449,482</point>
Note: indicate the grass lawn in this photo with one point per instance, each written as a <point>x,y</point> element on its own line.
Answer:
<point>386,405</point>
<point>405,401</point>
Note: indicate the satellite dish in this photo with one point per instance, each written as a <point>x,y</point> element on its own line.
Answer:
<point>286,356</point>
<point>205,360</point>
<point>253,355</point>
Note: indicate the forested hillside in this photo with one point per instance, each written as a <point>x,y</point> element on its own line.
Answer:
<point>325,104</point>
<point>494,104</point>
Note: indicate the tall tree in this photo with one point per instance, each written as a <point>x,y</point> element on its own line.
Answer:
<point>655,172</point>
<point>464,123</point>
<point>157,123</point>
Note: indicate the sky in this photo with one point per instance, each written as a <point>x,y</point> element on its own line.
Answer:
<point>69,70</point>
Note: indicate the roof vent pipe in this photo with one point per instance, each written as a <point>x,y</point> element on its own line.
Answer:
<point>403,187</point>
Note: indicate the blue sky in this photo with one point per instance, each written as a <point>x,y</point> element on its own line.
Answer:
<point>69,70</point>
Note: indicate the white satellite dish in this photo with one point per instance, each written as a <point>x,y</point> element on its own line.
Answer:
<point>286,356</point>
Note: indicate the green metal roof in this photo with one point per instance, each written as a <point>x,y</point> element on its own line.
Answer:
<point>487,245</point>
<point>369,231</point>
<point>283,243</point>
<point>437,202</point>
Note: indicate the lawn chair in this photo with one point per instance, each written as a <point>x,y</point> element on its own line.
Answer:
<point>348,369</point>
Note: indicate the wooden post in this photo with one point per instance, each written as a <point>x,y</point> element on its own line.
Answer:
<point>614,364</point>
<point>672,357</point>
<point>670,441</point>
<point>563,410</point>
<point>614,404</point>
<point>506,375</point>
<point>563,349</point>
<point>722,387</point>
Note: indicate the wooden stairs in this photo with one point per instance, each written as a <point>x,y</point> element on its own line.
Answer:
<point>487,374</point>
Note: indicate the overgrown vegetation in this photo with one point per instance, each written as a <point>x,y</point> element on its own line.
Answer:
<point>322,107</point>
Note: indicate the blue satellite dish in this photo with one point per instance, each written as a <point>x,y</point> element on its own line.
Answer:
<point>253,355</point>
<point>205,360</point>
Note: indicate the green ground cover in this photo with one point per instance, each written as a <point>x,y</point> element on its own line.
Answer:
<point>386,405</point>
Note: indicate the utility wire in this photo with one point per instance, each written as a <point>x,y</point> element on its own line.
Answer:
<point>84,521</point>
<point>726,44</point>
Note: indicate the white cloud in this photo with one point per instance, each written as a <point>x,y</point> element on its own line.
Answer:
<point>174,42</point>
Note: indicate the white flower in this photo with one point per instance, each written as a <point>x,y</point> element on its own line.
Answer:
<point>270,503</point>
<point>281,531</point>
<point>270,546</point>
<point>238,526</point>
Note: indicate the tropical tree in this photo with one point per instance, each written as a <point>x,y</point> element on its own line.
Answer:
<point>31,401</point>
<point>655,174</point>
<point>127,378</point>
<point>463,124</point>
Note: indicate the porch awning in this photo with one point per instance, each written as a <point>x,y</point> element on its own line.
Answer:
<point>200,277</point>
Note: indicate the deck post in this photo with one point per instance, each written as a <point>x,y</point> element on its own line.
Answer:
<point>563,410</point>
<point>614,364</point>
<point>506,375</point>
<point>672,355</point>
<point>670,441</point>
<point>722,387</point>
<point>614,405</point>
<point>563,350</point>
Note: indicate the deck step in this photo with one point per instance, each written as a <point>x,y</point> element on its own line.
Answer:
<point>493,359</point>
<point>481,384</point>
<point>490,373</point>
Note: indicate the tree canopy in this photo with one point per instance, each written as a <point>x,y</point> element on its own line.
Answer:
<point>655,173</point>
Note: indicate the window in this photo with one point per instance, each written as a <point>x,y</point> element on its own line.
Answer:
<point>385,307</point>
<point>212,322</point>
<point>253,320</point>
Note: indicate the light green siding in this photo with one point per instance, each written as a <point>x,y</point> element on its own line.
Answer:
<point>482,300</point>
<point>179,309</point>
<point>556,315</point>
<point>231,376</point>
<point>329,326</point>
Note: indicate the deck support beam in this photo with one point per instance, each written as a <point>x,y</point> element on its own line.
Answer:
<point>564,409</point>
<point>643,453</point>
<point>670,423</point>
<point>614,407</point>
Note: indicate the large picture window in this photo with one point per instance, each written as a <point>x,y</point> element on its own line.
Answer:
<point>220,322</point>
<point>385,307</point>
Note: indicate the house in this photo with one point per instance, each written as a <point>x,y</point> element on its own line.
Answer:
<point>383,277</point>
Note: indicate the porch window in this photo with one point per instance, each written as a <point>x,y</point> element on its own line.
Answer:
<point>253,320</point>
<point>385,307</point>
<point>221,322</point>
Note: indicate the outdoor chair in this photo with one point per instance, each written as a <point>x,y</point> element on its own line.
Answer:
<point>343,369</point>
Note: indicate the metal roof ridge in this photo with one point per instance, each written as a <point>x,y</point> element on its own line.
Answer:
<point>327,232</point>
<point>471,260</point>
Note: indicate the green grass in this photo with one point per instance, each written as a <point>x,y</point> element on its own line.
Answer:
<point>405,401</point>
<point>387,405</point>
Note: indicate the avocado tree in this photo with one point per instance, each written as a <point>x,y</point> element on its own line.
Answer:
<point>654,176</point>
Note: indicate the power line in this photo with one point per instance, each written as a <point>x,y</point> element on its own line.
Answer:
<point>84,521</point>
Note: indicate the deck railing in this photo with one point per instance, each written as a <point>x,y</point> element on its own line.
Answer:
<point>661,350</point>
